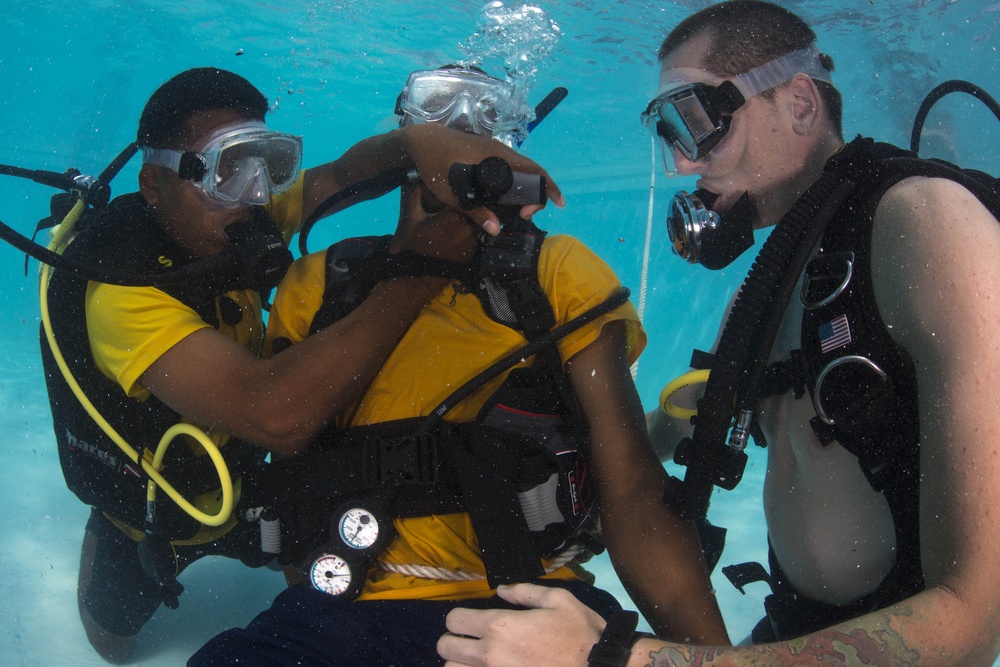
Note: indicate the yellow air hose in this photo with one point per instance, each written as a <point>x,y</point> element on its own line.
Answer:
<point>150,463</point>
<point>674,386</point>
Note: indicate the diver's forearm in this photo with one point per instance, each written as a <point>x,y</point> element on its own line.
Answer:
<point>931,629</point>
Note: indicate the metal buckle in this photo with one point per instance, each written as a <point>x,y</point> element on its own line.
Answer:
<point>818,388</point>
<point>829,274</point>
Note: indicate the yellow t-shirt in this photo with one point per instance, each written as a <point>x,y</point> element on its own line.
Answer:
<point>131,327</point>
<point>450,342</point>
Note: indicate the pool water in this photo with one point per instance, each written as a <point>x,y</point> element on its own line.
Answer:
<point>74,77</point>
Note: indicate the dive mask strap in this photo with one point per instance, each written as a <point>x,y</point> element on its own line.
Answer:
<point>726,98</point>
<point>776,72</point>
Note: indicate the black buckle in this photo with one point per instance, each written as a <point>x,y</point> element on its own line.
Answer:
<point>509,254</point>
<point>401,461</point>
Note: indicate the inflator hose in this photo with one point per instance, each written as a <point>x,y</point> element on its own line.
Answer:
<point>770,325</point>
<point>946,88</point>
<point>374,187</point>
<point>519,355</point>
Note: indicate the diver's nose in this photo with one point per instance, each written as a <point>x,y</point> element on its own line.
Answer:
<point>257,190</point>
<point>462,116</point>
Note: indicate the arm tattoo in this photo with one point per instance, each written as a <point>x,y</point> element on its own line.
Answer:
<point>880,645</point>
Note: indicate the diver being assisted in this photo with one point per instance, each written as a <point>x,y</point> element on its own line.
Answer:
<point>501,425</point>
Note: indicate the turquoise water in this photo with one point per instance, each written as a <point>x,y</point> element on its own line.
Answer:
<point>74,77</point>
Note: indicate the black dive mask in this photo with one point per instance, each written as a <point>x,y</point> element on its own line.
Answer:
<point>699,235</point>
<point>264,258</point>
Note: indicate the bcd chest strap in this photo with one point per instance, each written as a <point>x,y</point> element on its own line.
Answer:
<point>518,470</point>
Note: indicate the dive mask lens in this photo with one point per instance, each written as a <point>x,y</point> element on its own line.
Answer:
<point>685,119</point>
<point>247,167</point>
<point>462,99</point>
<point>278,157</point>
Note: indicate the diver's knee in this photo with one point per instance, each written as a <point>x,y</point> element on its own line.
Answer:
<point>113,648</point>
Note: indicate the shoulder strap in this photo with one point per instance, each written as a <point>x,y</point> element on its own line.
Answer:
<point>508,280</point>
<point>355,265</point>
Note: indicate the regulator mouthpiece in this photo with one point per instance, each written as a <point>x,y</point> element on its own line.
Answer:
<point>701,235</point>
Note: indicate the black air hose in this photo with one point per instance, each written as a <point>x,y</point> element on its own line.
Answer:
<point>770,324</point>
<point>741,356</point>
<point>755,299</point>
<point>370,188</point>
<point>946,88</point>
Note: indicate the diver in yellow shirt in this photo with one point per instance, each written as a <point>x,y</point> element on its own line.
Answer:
<point>425,554</point>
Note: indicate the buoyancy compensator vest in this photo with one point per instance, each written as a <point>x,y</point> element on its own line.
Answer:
<point>862,384</point>
<point>519,469</point>
<point>124,237</point>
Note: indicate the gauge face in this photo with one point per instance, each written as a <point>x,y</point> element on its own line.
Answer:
<point>330,574</point>
<point>358,528</point>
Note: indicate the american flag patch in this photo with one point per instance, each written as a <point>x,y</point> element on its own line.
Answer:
<point>835,333</point>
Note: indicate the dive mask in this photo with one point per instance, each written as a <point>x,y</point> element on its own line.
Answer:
<point>464,99</point>
<point>242,164</point>
<point>692,117</point>
<point>698,234</point>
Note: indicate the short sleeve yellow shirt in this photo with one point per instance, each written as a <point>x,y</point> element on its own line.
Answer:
<point>450,342</point>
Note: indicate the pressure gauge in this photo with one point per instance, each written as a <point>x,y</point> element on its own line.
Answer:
<point>359,530</point>
<point>363,525</point>
<point>331,574</point>
<point>358,527</point>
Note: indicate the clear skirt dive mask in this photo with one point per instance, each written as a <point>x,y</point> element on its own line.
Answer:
<point>242,164</point>
<point>691,118</point>
<point>464,99</point>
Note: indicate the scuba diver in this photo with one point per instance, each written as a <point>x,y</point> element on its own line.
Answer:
<point>860,349</point>
<point>454,473</point>
<point>152,318</point>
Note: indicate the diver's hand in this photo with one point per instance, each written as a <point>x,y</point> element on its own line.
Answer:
<point>556,630</point>
<point>434,148</point>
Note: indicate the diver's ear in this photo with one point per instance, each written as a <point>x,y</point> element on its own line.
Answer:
<point>805,104</point>
<point>149,183</point>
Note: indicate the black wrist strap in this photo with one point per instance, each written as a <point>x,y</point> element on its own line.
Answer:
<point>615,644</point>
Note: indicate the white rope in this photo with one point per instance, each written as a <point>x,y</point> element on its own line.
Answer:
<point>444,574</point>
<point>644,277</point>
